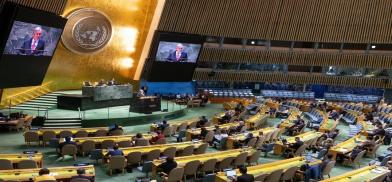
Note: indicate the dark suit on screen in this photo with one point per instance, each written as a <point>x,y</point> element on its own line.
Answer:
<point>182,58</point>
<point>38,51</point>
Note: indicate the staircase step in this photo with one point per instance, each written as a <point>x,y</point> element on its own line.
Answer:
<point>44,101</point>
<point>36,104</point>
<point>67,121</point>
<point>53,127</point>
<point>62,119</point>
<point>62,124</point>
<point>26,108</point>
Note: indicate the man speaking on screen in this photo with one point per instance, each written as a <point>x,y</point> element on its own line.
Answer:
<point>34,46</point>
<point>178,55</point>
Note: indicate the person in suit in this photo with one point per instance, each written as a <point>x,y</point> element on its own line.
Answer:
<point>81,175</point>
<point>115,152</point>
<point>245,177</point>
<point>167,166</point>
<point>67,141</point>
<point>178,55</point>
<point>34,46</point>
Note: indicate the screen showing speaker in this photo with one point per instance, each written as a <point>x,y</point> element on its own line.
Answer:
<point>173,57</point>
<point>178,52</point>
<point>28,40</point>
<point>32,39</point>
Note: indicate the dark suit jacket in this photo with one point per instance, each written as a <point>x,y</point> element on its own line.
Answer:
<point>39,50</point>
<point>172,57</point>
<point>82,177</point>
<point>246,178</point>
<point>166,167</point>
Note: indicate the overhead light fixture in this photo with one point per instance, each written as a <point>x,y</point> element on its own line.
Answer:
<point>373,46</point>
<point>252,42</point>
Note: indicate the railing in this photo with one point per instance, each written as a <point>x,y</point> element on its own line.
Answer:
<point>31,93</point>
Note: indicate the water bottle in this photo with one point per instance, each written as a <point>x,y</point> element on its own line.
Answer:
<point>30,156</point>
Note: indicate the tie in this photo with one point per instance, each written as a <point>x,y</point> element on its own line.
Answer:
<point>178,56</point>
<point>33,46</point>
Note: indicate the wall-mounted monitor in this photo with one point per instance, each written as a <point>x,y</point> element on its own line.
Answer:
<point>174,57</point>
<point>28,40</point>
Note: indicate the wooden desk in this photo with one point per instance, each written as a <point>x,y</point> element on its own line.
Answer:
<point>232,139</point>
<point>270,167</point>
<point>181,161</point>
<point>196,131</point>
<point>154,127</point>
<point>367,127</point>
<point>100,139</point>
<point>346,146</point>
<point>367,173</point>
<point>146,149</point>
<point>73,130</point>
<point>217,117</point>
<point>328,125</point>
<point>257,119</point>
<point>289,122</point>
<point>305,137</point>
<point>16,158</point>
<point>60,173</point>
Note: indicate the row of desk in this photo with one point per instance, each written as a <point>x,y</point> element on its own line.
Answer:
<point>16,158</point>
<point>60,173</point>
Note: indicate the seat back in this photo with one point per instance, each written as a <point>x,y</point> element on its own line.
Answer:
<point>209,137</point>
<point>268,136</point>
<point>161,141</point>
<point>261,177</point>
<point>173,129</point>
<point>170,152</point>
<point>153,154</point>
<point>328,167</point>
<point>175,174</point>
<point>65,133</point>
<point>81,133</point>
<point>252,142</point>
<point>274,176</point>
<point>223,144</point>
<point>107,144</point>
<point>188,150</point>
<point>116,132</point>
<point>117,162</point>
<point>289,174</point>
<point>182,126</point>
<point>69,149</point>
<point>80,180</point>
<point>226,163</point>
<point>193,124</point>
<point>88,146</point>
<point>27,164</point>
<point>254,157</point>
<point>31,136</point>
<point>274,134</point>
<point>300,150</point>
<point>48,135</point>
<point>240,159</point>
<point>134,158</point>
<point>358,158</point>
<point>101,132</point>
<point>209,165</point>
<point>191,167</point>
<point>5,164</point>
<point>208,124</point>
<point>142,142</point>
<point>167,131</point>
<point>124,144</point>
<point>201,149</point>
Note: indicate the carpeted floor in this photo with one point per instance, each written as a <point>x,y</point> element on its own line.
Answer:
<point>13,142</point>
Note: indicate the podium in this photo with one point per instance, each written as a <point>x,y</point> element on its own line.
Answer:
<point>145,105</point>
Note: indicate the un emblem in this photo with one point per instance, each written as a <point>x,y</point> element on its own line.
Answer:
<point>87,31</point>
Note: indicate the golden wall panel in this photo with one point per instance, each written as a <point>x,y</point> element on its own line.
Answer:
<point>130,20</point>
<point>297,78</point>
<point>380,61</point>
